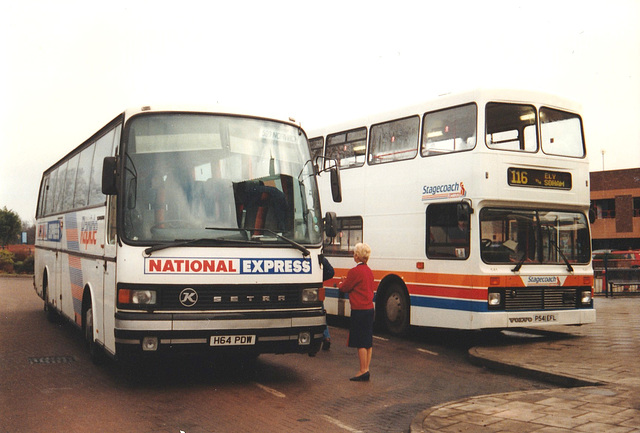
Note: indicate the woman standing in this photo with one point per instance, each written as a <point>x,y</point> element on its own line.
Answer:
<point>359,284</point>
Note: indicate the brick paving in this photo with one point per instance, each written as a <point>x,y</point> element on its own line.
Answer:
<point>605,355</point>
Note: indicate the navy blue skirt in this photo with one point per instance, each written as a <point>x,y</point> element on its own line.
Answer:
<point>361,329</point>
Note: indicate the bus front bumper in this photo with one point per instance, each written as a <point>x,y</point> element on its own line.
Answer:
<point>235,332</point>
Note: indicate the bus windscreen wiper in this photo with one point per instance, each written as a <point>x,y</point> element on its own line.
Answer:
<point>559,250</point>
<point>520,263</point>
<point>305,252</point>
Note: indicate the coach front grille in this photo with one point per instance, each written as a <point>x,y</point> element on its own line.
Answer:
<point>226,297</point>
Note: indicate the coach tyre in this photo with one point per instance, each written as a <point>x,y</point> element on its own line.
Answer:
<point>52,315</point>
<point>396,309</point>
<point>95,352</point>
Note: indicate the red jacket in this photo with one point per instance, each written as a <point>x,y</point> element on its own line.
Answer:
<point>359,285</point>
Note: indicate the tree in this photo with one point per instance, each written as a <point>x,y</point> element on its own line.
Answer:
<point>30,228</point>
<point>10,226</point>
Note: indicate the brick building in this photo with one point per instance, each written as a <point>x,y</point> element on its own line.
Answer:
<point>615,197</point>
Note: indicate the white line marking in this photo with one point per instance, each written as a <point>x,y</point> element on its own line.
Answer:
<point>380,338</point>
<point>341,425</point>
<point>428,351</point>
<point>270,390</point>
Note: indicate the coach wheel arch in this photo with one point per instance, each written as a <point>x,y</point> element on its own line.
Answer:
<point>393,306</point>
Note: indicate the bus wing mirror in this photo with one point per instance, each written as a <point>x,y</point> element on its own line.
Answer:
<point>464,209</point>
<point>109,176</point>
<point>592,216</point>
<point>336,187</point>
<point>331,224</point>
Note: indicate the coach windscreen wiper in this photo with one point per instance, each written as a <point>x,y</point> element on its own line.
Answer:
<point>301,248</point>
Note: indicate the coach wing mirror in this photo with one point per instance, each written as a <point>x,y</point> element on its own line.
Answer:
<point>330,165</point>
<point>331,224</point>
<point>592,216</point>
<point>464,209</point>
<point>109,176</point>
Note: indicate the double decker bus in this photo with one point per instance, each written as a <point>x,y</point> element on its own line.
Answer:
<point>184,231</point>
<point>475,205</point>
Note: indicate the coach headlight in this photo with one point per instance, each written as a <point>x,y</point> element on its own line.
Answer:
<point>136,297</point>
<point>310,295</point>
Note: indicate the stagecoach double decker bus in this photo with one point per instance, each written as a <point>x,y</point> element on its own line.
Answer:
<point>476,208</point>
<point>184,231</point>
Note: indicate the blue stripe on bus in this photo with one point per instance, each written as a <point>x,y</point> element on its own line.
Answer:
<point>449,304</point>
<point>432,302</point>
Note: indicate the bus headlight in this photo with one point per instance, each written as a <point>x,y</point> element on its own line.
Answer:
<point>137,297</point>
<point>310,295</point>
<point>585,298</point>
<point>494,299</point>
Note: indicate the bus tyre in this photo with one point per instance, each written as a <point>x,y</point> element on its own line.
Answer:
<point>95,351</point>
<point>396,310</point>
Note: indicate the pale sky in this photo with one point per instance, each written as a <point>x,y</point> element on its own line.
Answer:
<point>69,67</point>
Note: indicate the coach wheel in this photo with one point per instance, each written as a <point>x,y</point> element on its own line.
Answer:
<point>396,310</point>
<point>52,315</point>
<point>95,352</point>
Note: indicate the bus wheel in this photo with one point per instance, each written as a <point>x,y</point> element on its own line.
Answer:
<point>95,352</point>
<point>396,310</point>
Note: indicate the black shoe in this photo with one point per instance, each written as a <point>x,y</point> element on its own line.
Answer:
<point>362,378</point>
<point>326,345</point>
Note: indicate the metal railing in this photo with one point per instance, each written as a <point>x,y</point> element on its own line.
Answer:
<point>616,281</point>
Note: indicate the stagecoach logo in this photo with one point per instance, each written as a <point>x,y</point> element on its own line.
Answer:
<point>542,281</point>
<point>445,190</point>
<point>188,297</point>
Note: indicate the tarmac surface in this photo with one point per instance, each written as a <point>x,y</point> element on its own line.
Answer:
<point>597,365</point>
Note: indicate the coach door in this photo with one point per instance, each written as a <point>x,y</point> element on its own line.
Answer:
<point>109,278</point>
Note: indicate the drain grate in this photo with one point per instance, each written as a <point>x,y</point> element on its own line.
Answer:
<point>52,360</point>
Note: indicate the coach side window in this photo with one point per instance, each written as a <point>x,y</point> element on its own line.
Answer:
<point>50,202</point>
<point>104,148</point>
<point>449,130</point>
<point>81,198</point>
<point>70,183</point>
<point>59,192</point>
<point>395,140</point>
<point>42,200</point>
<point>348,148</point>
<point>447,232</point>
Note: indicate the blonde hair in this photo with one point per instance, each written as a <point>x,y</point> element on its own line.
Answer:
<point>363,251</point>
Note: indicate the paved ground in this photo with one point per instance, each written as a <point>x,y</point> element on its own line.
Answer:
<point>48,383</point>
<point>600,364</point>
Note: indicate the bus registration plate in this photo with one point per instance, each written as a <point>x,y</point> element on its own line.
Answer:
<point>233,340</point>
